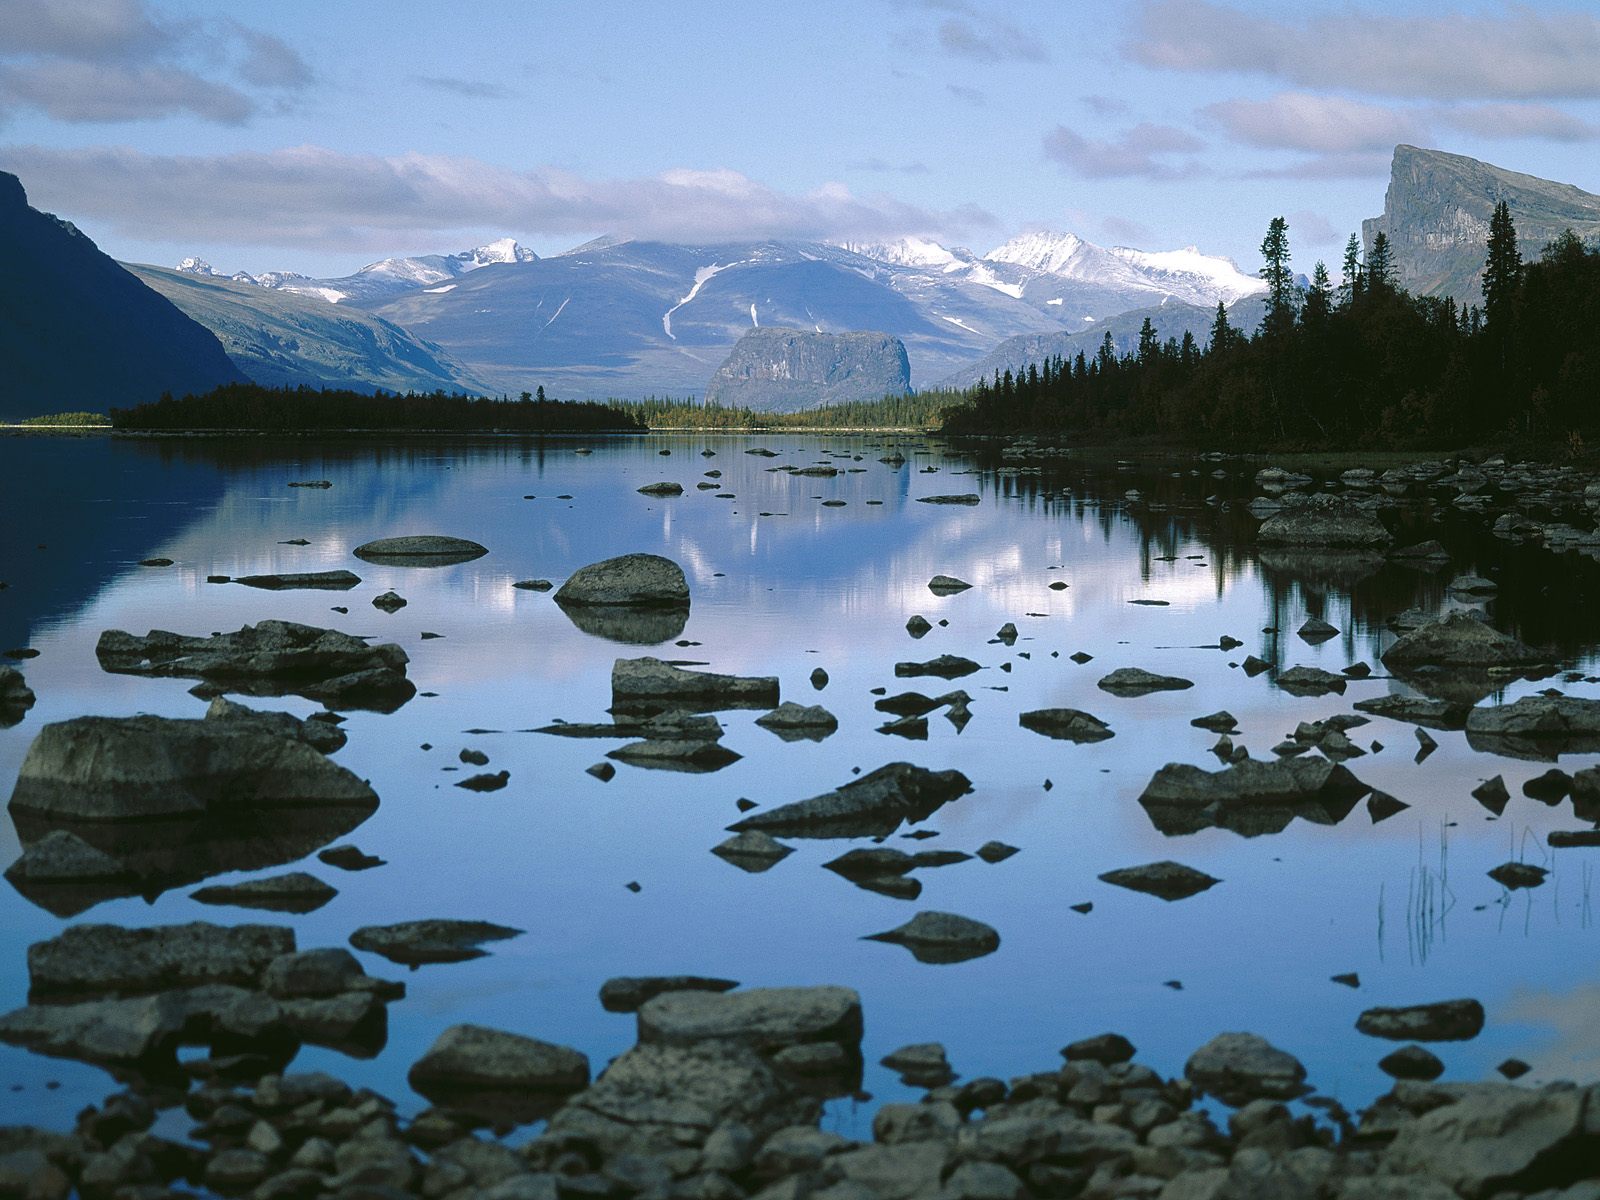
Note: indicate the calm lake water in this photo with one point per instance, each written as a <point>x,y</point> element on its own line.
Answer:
<point>1405,903</point>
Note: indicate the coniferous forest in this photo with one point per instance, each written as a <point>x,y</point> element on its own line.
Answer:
<point>249,406</point>
<point>1361,364</point>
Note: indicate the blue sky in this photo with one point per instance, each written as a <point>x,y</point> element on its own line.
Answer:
<point>316,136</point>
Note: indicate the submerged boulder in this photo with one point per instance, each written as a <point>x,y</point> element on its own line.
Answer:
<point>876,803</point>
<point>498,1075</point>
<point>133,768</point>
<point>441,940</point>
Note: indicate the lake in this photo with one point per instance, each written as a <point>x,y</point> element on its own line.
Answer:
<point>782,584</point>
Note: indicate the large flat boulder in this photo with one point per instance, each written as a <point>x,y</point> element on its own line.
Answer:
<point>1239,1067</point>
<point>764,1018</point>
<point>650,681</point>
<point>324,581</point>
<point>1460,640</point>
<point>1536,727</point>
<point>874,804</point>
<point>268,658</point>
<point>108,960</point>
<point>1443,1021</point>
<point>1324,521</point>
<point>135,768</point>
<point>425,550</point>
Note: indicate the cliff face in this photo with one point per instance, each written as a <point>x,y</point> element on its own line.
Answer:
<point>79,332</point>
<point>787,370</point>
<point>1437,211</point>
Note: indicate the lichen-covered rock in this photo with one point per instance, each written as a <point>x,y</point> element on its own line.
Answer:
<point>1237,1067</point>
<point>765,1018</point>
<point>1460,640</point>
<point>651,681</point>
<point>628,581</point>
<point>875,803</point>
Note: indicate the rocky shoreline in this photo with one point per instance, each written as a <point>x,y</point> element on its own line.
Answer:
<point>722,1098</point>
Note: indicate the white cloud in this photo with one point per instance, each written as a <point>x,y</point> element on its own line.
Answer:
<point>106,61</point>
<point>312,197</point>
<point>1143,152</point>
<point>1518,53</point>
<point>1519,121</point>
<point>1316,124</point>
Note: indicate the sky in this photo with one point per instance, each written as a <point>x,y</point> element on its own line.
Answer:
<point>319,135</point>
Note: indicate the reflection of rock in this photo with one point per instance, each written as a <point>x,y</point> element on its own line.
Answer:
<point>1250,797</point>
<point>295,892</point>
<point>794,722</point>
<point>1310,681</point>
<point>651,682</point>
<point>1135,681</point>
<point>676,754</point>
<point>872,805</point>
<point>269,658</point>
<point>173,801</point>
<point>628,993</point>
<point>1322,570</point>
<point>16,697</point>
<point>937,937</point>
<point>630,626</point>
<point>423,551</point>
<point>1536,727</point>
<point>752,851</point>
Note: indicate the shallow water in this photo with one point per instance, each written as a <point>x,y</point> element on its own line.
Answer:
<point>1405,903</point>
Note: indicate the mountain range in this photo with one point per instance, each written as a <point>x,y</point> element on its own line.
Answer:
<point>624,318</point>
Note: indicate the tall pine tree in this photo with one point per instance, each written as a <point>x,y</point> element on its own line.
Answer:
<point>1504,266</point>
<point>1275,271</point>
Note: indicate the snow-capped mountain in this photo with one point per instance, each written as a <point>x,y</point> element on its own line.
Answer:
<point>379,280</point>
<point>621,317</point>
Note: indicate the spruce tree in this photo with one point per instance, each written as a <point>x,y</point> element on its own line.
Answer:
<point>1148,344</point>
<point>1318,297</point>
<point>1275,271</point>
<point>1350,285</point>
<point>1503,268</point>
<point>1380,265</point>
<point>1221,330</point>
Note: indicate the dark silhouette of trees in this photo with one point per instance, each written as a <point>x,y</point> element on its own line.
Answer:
<point>1279,281</point>
<point>249,406</point>
<point>1369,364</point>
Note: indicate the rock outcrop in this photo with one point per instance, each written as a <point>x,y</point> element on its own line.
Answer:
<point>1436,215</point>
<point>787,370</point>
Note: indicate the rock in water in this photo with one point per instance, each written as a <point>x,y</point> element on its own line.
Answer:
<point>962,498</point>
<point>661,489</point>
<point>763,1018</point>
<point>431,941</point>
<point>1460,640</point>
<point>100,960</point>
<point>628,581</point>
<point>296,892</point>
<point>787,370</point>
<point>330,581</point>
<point>1446,1021</point>
<point>1168,880</point>
<point>493,1073</point>
<point>420,551</point>
<point>792,721</point>
<point>941,585</point>
<point>660,684</point>
<point>132,768</point>
<point>1324,522</point>
<point>1240,1067</point>
<point>628,993</point>
<point>874,804</point>
<point>937,937</point>
<point>752,851</point>
<point>269,658</point>
<point>1133,681</point>
<point>1536,727</point>
<point>1066,724</point>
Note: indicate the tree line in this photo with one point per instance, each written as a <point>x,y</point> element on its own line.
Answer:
<point>1363,363</point>
<point>252,407</point>
<point>913,411</point>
